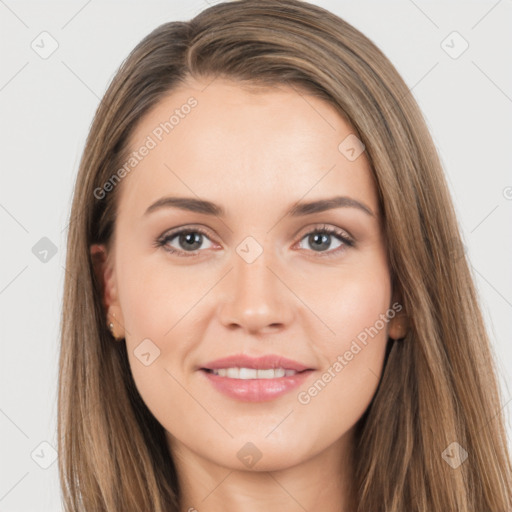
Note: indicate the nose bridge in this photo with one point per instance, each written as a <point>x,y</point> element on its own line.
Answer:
<point>256,298</point>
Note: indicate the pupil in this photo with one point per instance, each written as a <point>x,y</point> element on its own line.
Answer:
<point>323,240</point>
<point>190,239</point>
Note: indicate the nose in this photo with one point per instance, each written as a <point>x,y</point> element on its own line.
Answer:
<point>256,298</point>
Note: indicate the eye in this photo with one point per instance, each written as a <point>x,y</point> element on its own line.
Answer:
<point>189,240</point>
<point>321,238</point>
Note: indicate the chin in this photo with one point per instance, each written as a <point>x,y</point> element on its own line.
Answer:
<point>255,453</point>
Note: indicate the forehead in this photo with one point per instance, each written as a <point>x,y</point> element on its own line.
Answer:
<point>216,139</point>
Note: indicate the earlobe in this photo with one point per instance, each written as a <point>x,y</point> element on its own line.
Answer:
<point>399,325</point>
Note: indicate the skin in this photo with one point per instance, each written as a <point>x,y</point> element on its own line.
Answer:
<point>254,152</point>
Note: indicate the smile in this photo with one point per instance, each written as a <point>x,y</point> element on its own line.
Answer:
<point>252,373</point>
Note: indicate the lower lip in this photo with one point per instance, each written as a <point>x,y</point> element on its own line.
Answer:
<point>256,390</point>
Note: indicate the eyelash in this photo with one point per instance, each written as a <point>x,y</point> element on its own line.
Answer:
<point>165,238</point>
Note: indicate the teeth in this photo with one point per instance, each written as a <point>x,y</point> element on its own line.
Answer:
<point>265,374</point>
<point>252,373</point>
<point>233,373</point>
<point>248,373</point>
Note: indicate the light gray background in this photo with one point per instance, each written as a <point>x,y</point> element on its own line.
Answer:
<point>46,109</point>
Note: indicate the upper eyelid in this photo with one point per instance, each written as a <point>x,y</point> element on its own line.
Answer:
<point>324,226</point>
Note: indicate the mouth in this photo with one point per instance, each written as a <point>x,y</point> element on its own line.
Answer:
<point>255,379</point>
<point>252,373</point>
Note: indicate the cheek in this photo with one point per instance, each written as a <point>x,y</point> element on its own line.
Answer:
<point>357,310</point>
<point>162,308</point>
<point>155,297</point>
<point>351,302</point>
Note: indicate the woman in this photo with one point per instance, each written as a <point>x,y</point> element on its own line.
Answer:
<point>266,307</point>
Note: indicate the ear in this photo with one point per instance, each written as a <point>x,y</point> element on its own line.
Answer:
<point>104,274</point>
<point>102,262</point>
<point>398,325</point>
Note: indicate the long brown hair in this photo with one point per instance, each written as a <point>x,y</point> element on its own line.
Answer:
<point>439,384</point>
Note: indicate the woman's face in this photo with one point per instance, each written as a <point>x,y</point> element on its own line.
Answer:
<point>249,277</point>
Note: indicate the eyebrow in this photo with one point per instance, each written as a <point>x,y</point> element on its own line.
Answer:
<point>296,210</point>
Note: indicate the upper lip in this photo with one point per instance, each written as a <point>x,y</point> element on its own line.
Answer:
<point>258,363</point>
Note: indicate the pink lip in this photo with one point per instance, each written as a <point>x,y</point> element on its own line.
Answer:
<point>256,390</point>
